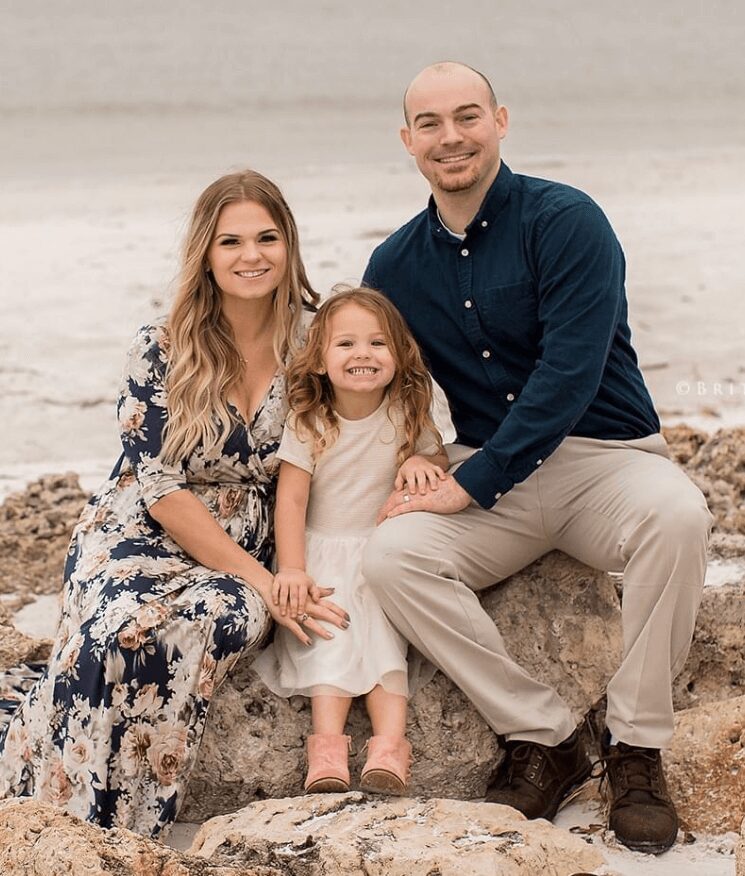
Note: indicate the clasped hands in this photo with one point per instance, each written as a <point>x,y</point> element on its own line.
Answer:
<point>298,603</point>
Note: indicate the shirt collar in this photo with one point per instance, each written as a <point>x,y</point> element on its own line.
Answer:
<point>496,198</point>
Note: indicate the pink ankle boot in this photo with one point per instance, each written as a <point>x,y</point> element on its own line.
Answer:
<point>328,771</point>
<point>386,770</point>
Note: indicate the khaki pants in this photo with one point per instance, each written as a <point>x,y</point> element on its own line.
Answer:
<point>619,506</point>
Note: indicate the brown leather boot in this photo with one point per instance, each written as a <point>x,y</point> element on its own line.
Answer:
<point>328,771</point>
<point>642,815</point>
<point>535,778</point>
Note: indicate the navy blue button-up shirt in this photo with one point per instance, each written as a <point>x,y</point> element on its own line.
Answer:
<point>523,323</point>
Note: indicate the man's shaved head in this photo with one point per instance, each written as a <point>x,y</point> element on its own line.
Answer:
<point>444,68</point>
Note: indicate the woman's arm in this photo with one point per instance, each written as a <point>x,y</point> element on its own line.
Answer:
<point>196,531</point>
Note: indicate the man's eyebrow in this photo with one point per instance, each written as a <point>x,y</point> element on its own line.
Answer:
<point>460,109</point>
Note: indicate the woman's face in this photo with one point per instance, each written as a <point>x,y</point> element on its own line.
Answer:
<point>247,255</point>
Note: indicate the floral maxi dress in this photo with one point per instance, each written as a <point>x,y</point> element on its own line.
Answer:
<point>111,730</point>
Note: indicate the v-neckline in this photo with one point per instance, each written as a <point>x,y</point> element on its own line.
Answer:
<point>248,423</point>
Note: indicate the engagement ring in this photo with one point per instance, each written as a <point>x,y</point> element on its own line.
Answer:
<point>304,618</point>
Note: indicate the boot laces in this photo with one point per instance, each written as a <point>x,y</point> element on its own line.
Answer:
<point>634,774</point>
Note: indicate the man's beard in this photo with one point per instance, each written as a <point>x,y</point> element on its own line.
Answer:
<point>459,182</point>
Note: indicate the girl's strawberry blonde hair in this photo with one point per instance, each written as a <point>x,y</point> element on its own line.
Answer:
<point>311,395</point>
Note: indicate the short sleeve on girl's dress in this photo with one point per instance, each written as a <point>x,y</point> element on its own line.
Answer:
<point>143,414</point>
<point>294,449</point>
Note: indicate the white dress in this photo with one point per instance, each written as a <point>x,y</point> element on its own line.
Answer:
<point>350,483</point>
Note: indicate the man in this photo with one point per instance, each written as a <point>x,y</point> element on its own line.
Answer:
<point>514,287</point>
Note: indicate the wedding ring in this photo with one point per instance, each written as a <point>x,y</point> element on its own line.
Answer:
<point>304,618</point>
<point>407,497</point>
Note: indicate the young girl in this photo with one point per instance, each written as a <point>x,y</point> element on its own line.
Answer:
<point>360,397</point>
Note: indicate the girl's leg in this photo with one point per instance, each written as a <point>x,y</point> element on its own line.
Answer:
<point>387,712</point>
<point>388,752</point>
<point>329,713</point>
<point>328,747</point>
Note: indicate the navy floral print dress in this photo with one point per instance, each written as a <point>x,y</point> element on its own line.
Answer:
<point>111,730</point>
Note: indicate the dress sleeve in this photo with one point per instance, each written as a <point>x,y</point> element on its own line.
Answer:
<point>142,415</point>
<point>427,443</point>
<point>295,449</point>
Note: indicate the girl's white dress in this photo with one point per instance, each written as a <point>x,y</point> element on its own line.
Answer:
<point>350,483</point>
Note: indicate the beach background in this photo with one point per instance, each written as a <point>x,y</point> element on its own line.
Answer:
<point>114,117</point>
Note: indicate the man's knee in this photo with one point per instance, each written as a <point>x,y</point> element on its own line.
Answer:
<point>681,517</point>
<point>392,549</point>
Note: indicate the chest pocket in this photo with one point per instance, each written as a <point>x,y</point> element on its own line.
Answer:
<point>510,312</point>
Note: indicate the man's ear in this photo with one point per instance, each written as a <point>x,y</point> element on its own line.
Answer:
<point>405,133</point>
<point>502,118</point>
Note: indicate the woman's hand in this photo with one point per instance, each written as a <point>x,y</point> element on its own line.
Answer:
<point>418,475</point>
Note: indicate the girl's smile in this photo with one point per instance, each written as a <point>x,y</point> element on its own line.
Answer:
<point>358,361</point>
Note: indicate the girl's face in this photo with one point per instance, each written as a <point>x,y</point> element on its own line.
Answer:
<point>247,255</point>
<point>357,358</point>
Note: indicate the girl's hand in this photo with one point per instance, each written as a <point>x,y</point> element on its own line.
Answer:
<point>290,589</point>
<point>418,475</point>
<point>309,620</point>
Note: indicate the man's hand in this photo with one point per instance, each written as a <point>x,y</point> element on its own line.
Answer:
<point>449,498</point>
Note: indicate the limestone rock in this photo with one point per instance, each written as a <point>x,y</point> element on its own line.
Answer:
<point>719,469</point>
<point>740,853</point>
<point>715,668</point>
<point>706,766</point>
<point>15,647</point>
<point>684,442</point>
<point>253,745</point>
<point>38,838</point>
<point>35,527</point>
<point>359,836</point>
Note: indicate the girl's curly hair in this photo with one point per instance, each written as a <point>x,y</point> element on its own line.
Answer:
<point>311,395</point>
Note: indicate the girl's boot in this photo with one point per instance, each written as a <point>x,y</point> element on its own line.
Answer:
<point>328,771</point>
<point>386,770</point>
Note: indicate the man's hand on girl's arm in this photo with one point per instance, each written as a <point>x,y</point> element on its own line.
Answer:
<point>449,498</point>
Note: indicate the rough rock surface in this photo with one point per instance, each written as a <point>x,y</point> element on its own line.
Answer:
<point>15,647</point>
<point>358,836</point>
<point>715,668</point>
<point>740,853</point>
<point>706,766</point>
<point>574,644</point>
<point>36,838</point>
<point>35,527</point>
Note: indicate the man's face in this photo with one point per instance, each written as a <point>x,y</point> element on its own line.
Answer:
<point>454,130</point>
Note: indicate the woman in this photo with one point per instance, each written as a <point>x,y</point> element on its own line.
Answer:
<point>167,580</point>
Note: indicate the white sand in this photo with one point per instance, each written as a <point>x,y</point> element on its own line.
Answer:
<point>114,119</point>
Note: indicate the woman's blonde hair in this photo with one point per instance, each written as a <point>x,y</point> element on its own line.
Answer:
<point>311,394</point>
<point>204,363</point>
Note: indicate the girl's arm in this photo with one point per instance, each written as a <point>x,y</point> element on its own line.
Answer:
<point>292,584</point>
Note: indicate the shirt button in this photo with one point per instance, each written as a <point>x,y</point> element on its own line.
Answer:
<point>539,462</point>
<point>468,304</point>
<point>486,354</point>
<point>484,223</point>
<point>464,252</point>
<point>510,397</point>
<point>498,496</point>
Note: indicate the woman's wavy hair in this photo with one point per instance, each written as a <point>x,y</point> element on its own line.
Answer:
<point>203,360</point>
<point>311,394</point>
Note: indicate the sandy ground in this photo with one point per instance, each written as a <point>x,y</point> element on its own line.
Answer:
<point>114,120</point>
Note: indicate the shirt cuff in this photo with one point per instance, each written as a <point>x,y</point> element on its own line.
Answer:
<point>480,480</point>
